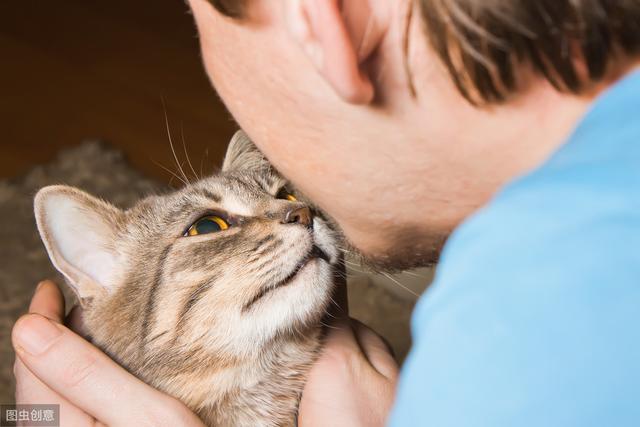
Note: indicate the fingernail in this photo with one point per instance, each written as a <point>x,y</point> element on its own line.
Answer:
<point>35,334</point>
<point>41,284</point>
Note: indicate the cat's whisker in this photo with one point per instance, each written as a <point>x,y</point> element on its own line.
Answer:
<point>326,325</point>
<point>186,154</point>
<point>182,166</point>
<point>342,275</point>
<point>357,264</point>
<point>353,265</point>
<point>331,315</point>
<point>348,252</point>
<point>353,268</point>
<point>206,156</point>
<point>174,175</point>
<point>334,302</point>
<point>411,273</point>
<point>397,282</point>
<point>173,151</point>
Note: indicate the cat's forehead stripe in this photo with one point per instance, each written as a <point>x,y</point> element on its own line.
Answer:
<point>152,294</point>
<point>208,194</point>
<point>239,194</point>
<point>252,186</point>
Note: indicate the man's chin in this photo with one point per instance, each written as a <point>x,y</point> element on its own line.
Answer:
<point>405,251</point>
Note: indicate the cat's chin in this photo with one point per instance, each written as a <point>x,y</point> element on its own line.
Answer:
<point>316,255</point>
<point>300,299</point>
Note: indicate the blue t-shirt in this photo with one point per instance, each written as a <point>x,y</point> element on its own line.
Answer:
<point>534,315</point>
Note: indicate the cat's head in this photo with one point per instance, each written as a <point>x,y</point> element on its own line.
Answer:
<point>225,262</point>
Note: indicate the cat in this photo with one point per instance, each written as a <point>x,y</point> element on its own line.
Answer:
<point>213,293</point>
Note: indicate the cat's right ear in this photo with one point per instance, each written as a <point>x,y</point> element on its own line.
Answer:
<point>243,155</point>
<point>79,232</point>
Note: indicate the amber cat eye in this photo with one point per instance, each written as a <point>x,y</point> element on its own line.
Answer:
<point>206,225</point>
<point>285,195</point>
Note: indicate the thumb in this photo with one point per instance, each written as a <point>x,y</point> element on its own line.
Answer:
<point>88,378</point>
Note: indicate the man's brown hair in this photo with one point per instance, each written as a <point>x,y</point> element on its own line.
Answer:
<point>483,42</point>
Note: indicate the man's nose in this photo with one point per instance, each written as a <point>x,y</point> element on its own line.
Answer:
<point>298,215</point>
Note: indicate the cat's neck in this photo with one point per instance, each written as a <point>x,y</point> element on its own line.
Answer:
<point>278,380</point>
<point>265,386</point>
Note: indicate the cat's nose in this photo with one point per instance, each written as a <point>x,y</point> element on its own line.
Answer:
<point>298,215</point>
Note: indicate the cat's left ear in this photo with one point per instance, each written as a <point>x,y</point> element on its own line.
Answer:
<point>79,232</point>
<point>243,155</point>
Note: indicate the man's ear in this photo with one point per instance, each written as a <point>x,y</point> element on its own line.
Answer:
<point>79,232</point>
<point>242,154</point>
<point>338,36</point>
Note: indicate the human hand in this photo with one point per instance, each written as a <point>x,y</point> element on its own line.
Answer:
<point>353,382</point>
<point>54,365</point>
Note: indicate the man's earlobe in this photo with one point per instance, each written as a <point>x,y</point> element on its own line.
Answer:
<point>337,43</point>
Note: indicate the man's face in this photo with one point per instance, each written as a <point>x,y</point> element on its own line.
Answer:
<point>397,174</point>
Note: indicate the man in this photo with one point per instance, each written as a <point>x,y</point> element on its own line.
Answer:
<point>401,119</point>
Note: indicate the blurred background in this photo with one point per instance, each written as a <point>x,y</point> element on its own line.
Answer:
<point>85,87</point>
<point>78,69</point>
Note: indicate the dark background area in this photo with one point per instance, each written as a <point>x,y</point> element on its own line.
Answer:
<point>73,70</point>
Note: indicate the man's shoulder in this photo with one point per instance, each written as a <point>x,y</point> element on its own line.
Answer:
<point>582,203</point>
<point>532,318</point>
<point>557,232</point>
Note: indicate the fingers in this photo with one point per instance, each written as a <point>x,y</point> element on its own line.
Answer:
<point>30,390</point>
<point>340,336</point>
<point>48,301</point>
<point>376,349</point>
<point>349,337</point>
<point>82,374</point>
<point>353,381</point>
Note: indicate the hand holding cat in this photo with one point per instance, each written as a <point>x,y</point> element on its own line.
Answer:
<point>353,382</point>
<point>54,365</point>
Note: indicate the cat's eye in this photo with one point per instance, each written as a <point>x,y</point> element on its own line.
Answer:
<point>206,225</point>
<point>285,195</point>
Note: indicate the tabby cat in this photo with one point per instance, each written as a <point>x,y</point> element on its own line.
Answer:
<point>213,294</point>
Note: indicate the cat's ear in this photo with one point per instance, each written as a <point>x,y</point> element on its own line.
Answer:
<point>243,155</point>
<point>79,232</point>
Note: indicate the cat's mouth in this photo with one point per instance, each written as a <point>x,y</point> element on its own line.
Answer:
<point>316,253</point>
